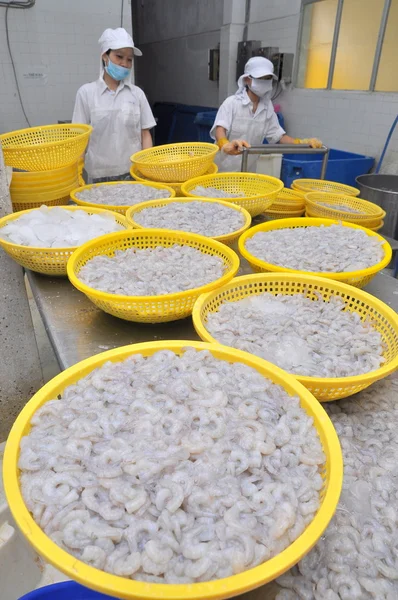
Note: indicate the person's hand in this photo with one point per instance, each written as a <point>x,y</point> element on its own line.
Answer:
<point>235,147</point>
<point>313,142</point>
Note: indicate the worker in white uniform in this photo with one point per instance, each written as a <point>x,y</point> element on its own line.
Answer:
<point>247,117</point>
<point>117,110</point>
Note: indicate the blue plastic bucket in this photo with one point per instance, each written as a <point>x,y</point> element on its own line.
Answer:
<point>66,590</point>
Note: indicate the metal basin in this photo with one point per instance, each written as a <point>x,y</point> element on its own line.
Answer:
<point>383,191</point>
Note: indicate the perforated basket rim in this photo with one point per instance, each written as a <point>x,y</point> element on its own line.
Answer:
<point>211,590</point>
<point>89,291</point>
<point>166,201</point>
<point>337,286</point>
<point>313,222</point>
<point>16,215</point>
<point>10,134</point>
<point>345,200</point>
<point>293,213</point>
<point>138,156</point>
<point>289,193</point>
<point>138,176</point>
<point>124,207</point>
<point>192,183</point>
<point>300,188</point>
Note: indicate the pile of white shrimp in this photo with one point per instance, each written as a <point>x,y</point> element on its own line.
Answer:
<point>206,218</point>
<point>172,469</point>
<point>121,194</point>
<point>356,558</point>
<point>210,192</point>
<point>57,228</point>
<point>341,207</point>
<point>315,339</point>
<point>333,249</point>
<point>151,271</point>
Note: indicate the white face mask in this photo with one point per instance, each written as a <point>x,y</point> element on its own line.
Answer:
<point>260,87</point>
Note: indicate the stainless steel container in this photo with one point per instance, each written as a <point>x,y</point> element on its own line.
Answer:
<point>383,191</point>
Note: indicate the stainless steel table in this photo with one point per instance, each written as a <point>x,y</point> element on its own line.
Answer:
<point>77,330</point>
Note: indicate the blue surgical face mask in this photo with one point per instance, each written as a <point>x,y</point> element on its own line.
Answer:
<point>117,72</point>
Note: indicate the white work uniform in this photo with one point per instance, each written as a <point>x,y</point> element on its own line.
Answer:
<point>236,116</point>
<point>117,119</point>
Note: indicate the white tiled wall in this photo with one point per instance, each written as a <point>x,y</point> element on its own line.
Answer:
<point>60,37</point>
<point>353,121</point>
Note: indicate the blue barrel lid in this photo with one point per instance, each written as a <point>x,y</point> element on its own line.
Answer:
<point>66,590</point>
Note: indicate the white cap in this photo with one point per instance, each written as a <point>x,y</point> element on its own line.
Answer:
<point>258,66</point>
<point>114,39</point>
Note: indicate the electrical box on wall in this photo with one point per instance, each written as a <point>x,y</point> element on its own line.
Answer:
<point>214,64</point>
<point>245,51</point>
<point>283,65</point>
<point>282,61</point>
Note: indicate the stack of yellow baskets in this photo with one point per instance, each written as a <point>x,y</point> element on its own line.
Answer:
<point>288,204</point>
<point>347,208</point>
<point>173,164</point>
<point>45,162</point>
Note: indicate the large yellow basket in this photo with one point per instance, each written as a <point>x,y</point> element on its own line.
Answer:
<point>175,162</point>
<point>137,175</point>
<point>259,191</point>
<point>122,209</point>
<point>45,148</point>
<point>370,214</point>
<point>383,318</point>
<point>149,309</point>
<point>356,278</point>
<point>321,185</point>
<point>227,238</point>
<point>48,261</point>
<point>212,590</point>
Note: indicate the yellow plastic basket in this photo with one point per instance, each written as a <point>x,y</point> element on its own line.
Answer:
<point>149,309</point>
<point>288,198</point>
<point>48,261</point>
<point>321,185</point>
<point>356,278</point>
<point>175,162</point>
<point>129,589</point>
<point>135,173</point>
<point>383,318</point>
<point>370,212</point>
<point>378,227</point>
<point>122,209</point>
<point>24,181</point>
<point>32,189</point>
<point>260,190</point>
<point>368,223</point>
<point>18,206</point>
<point>45,148</point>
<point>227,238</point>
<point>272,214</point>
<point>80,167</point>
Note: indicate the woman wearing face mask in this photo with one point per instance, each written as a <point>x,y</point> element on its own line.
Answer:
<point>247,117</point>
<point>118,111</point>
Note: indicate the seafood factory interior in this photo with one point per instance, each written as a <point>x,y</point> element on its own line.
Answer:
<point>199,299</point>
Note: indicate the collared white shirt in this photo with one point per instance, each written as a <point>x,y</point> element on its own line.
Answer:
<point>117,118</point>
<point>236,116</point>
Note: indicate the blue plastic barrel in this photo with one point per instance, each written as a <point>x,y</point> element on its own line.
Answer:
<point>204,122</point>
<point>66,590</point>
<point>343,167</point>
